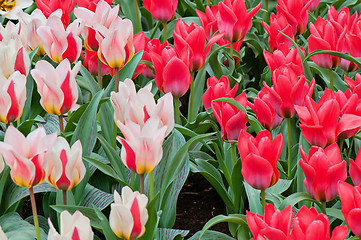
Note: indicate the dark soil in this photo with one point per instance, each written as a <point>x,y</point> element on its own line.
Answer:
<point>197,203</point>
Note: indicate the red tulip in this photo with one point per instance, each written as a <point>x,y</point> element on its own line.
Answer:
<point>355,169</point>
<point>91,4</point>
<point>288,91</point>
<point>309,224</point>
<point>295,11</point>
<point>341,20</point>
<point>264,110</point>
<point>172,74</point>
<point>278,23</point>
<point>209,20</point>
<point>313,6</point>
<point>162,10</point>
<point>91,63</point>
<point>233,19</point>
<point>259,156</point>
<point>218,89</point>
<point>231,119</point>
<point>323,168</point>
<point>193,39</point>
<point>351,206</point>
<point>48,7</point>
<point>273,225</point>
<point>355,85</point>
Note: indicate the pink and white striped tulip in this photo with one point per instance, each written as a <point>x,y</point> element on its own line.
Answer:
<point>12,97</point>
<point>73,227</point>
<point>115,43</point>
<point>142,146</point>
<point>56,86</point>
<point>128,215</point>
<point>25,156</point>
<point>64,165</point>
<point>61,43</point>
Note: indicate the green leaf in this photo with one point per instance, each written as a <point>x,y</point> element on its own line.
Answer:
<point>338,82</point>
<point>107,231</point>
<point>153,219</point>
<point>253,196</point>
<point>170,234</point>
<point>281,186</point>
<point>296,198</point>
<point>93,85</point>
<point>211,235</point>
<point>336,213</point>
<point>96,197</point>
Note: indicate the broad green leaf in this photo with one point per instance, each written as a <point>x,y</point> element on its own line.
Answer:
<point>170,234</point>
<point>98,198</point>
<point>281,186</point>
<point>253,196</point>
<point>211,235</point>
<point>93,85</point>
<point>336,213</point>
<point>107,231</point>
<point>296,198</point>
<point>338,82</point>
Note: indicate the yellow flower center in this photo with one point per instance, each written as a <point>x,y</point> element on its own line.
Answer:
<point>7,5</point>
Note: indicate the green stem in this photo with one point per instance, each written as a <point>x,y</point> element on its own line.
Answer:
<point>234,153</point>
<point>142,183</point>
<point>132,179</point>
<point>151,186</point>
<point>137,15</point>
<point>115,136</point>
<point>341,145</point>
<point>231,50</point>
<point>65,202</point>
<point>289,148</point>
<point>330,72</point>
<point>263,199</point>
<point>61,123</point>
<point>323,207</point>
<point>165,31</point>
<point>35,213</point>
<point>208,2</point>
<point>99,73</point>
<point>191,99</point>
<point>116,75</point>
<point>177,111</point>
<point>266,14</point>
<point>155,30</point>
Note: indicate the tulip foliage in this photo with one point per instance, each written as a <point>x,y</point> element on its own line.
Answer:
<point>106,108</point>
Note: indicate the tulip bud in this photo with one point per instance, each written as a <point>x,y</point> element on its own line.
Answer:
<point>128,215</point>
<point>162,10</point>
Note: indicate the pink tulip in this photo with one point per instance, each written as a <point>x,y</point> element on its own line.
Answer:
<point>231,119</point>
<point>341,19</point>
<point>115,43</point>
<point>48,7</point>
<point>128,215</point>
<point>355,169</point>
<point>12,97</point>
<point>323,168</point>
<point>355,85</point>
<point>351,206</point>
<point>209,20</point>
<point>162,10</point>
<point>309,224</point>
<point>10,9</point>
<point>91,63</point>
<point>64,165</point>
<point>313,6</point>
<point>91,4</point>
<point>61,43</point>
<point>25,156</point>
<point>74,227</point>
<point>273,225</point>
<point>259,158</point>
<point>233,19</point>
<point>57,87</point>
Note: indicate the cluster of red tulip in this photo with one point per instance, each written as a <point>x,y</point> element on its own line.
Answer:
<point>299,95</point>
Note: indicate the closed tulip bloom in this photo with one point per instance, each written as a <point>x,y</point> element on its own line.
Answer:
<point>64,165</point>
<point>57,86</point>
<point>309,224</point>
<point>10,9</point>
<point>218,89</point>
<point>12,97</point>
<point>25,156</point>
<point>355,169</point>
<point>259,156</point>
<point>323,168</point>
<point>76,226</point>
<point>273,225</point>
<point>172,73</point>
<point>142,146</point>
<point>128,214</point>
<point>209,20</point>
<point>275,38</point>
<point>162,10</point>
<point>48,7</point>
<point>91,4</point>
<point>351,206</point>
<point>231,120</point>
<point>264,110</point>
<point>341,19</point>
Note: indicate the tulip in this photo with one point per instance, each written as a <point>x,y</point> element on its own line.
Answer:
<point>309,224</point>
<point>91,63</point>
<point>209,20</point>
<point>264,110</point>
<point>341,19</point>
<point>91,4</point>
<point>139,107</point>
<point>162,10</point>
<point>259,158</point>
<point>48,7</point>
<point>12,97</point>
<point>313,6</point>
<point>218,89</point>
<point>172,73</point>
<point>75,226</point>
<point>10,9</point>
<point>351,206</point>
<point>323,168</point>
<point>355,85</point>
<point>57,87</point>
<point>288,91</point>
<point>355,169</point>
<point>64,165</point>
<point>233,19</point>
<point>25,156</point>
<point>193,39</point>
<point>128,215</point>
<point>273,225</point>
<point>295,12</point>
<point>142,146</point>
<point>11,31</point>
<point>278,23</point>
